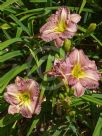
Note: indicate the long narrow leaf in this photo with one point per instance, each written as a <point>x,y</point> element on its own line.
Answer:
<point>17,21</point>
<point>5,44</point>
<point>6,4</point>
<point>33,125</point>
<point>9,55</point>
<point>98,127</point>
<point>92,99</point>
<point>82,6</point>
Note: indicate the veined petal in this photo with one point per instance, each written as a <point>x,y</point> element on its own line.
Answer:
<point>67,34</point>
<point>90,80</point>
<point>64,15</point>
<point>83,59</point>
<point>49,37</point>
<point>21,84</point>
<point>75,18</point>
<point>74,57</point>
<point>51,24</point>
<point>68,66</point>
<point>12,94</point>
<point>79,89</point>
<point>72,27</point>
<point>32,87</point>
<point>92,65</point>
<point>27,110</point>
<point>48,30</point>
<point>78,57</point>
<point>13,109</point>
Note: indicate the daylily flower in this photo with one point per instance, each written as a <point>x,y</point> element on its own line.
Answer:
<point>60,26</point>
<point>23,97</point>
<point>79,72</point>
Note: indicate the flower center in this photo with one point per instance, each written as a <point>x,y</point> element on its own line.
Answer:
<point>77,71</point>
<point>24,97</point>
<point>61,27</point>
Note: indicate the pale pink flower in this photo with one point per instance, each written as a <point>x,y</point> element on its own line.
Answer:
<point>79,72</point>
<point>60,26</point>
<point>23,97</point>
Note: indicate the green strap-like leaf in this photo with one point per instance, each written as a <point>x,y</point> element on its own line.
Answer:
<point>33,125</point>
<point>6,4</point>
<point>82,6</point>
<point>92,99</point>
<point>38,1</point>
<point>8,119</point>
<point>57,133</point>
<point>97,130</point>
<point>5,44</point>
<point>17,21</point>
<point>9,55</point>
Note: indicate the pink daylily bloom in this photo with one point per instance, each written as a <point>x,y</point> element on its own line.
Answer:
<point>79,72</point>
<point>60,26</point>
<point>23,97</point>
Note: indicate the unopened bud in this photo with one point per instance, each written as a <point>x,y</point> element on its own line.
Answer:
<point>5,26</point>
<point>67,45</point>
<point>72,113</point>
<point>91,27</point>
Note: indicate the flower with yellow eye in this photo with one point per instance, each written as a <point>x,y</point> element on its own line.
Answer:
<point>78,71</point>
<point>60,26</point>
<point>23,97</point>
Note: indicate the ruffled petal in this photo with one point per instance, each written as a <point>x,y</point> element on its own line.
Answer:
<point>13,109</point>
<point>90,80</point>
<point>32,87</point>
<point>83,59</point>
<point>48,30</point>
<point>78,57</point>
<point>28,85</point>
<point>27,109</point>
<point>50,25</point>
<point>75,18</point>
<point>12,94</point>
<point>66,34</point>
<point>79,89</point>
<point>21,83</point>
<point>92,65</point>
<point>72,27</point>
<point>49,36</point>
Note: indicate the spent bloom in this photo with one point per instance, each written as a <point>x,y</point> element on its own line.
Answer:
<point>78,71</point>
<point>23,97</point>
<point>60,26</point>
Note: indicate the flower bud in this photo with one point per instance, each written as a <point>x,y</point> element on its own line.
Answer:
<point>91,27</point>
<point>67,45</point>
<point>5,26</point>
<point>72,113</point>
